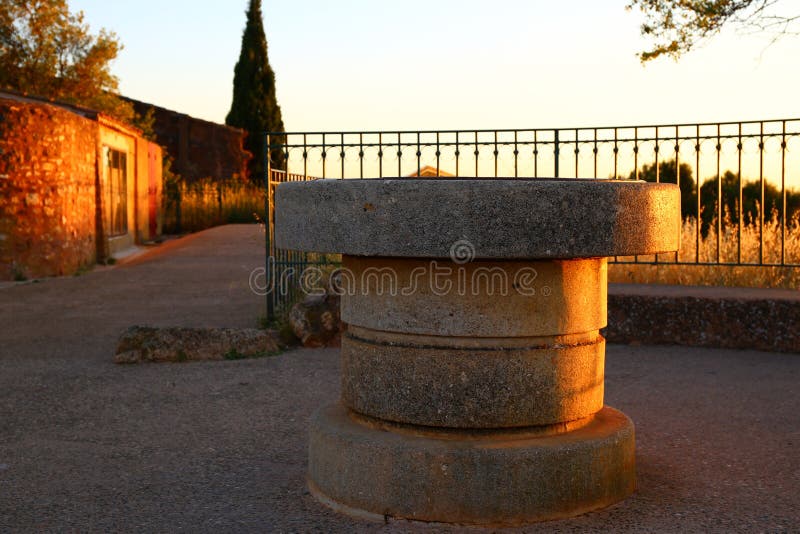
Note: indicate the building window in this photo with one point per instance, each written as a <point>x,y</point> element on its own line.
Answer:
<point>116,192</point>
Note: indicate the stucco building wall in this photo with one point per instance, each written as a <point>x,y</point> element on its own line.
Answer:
<point>54,188</point>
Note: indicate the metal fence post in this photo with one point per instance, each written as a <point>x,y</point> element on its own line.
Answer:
<point>555,153</point>
<point>268,228</point>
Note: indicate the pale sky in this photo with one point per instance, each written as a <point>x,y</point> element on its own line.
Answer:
<point>445,64</point>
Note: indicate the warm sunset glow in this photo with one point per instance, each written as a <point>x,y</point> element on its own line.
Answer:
<point>446,64</point>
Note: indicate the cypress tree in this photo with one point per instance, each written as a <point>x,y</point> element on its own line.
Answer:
<point>255,107</point>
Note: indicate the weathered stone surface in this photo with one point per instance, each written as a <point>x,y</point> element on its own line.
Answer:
<point>476,299</point>
<point>148,344</point>
<point>463,402</point>
<point>470,478</point>
<point>47,191</point>
<point>719,317</point>
<point>499,218</point>
<point>316,320</point>
<point>436,381</point>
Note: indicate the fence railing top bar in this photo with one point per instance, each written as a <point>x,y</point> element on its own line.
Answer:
<point>526,142</point>
<point>513,130</point>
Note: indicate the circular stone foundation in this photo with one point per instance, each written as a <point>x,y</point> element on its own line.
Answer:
<point>482,478</point>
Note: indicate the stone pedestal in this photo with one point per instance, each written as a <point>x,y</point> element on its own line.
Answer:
<point>472,368</point>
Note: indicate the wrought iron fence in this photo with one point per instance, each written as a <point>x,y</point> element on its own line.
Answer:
<point>740,181</point>
<point>282,264</point>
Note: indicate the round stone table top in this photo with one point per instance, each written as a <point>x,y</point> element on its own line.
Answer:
<point>467,219</point>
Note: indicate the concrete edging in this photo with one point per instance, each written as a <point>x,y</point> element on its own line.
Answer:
<point>716,317</point>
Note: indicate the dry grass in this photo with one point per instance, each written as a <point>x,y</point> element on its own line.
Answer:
<point>742,273</point>
<point>206,204</point>
<point>194,207</point>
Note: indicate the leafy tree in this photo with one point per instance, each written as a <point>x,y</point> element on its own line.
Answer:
<point>667,173</point>
<point>751,201</point>
<point>255,107</point>
<point>678,26</point>
<point>46,50</point>
<point>751,196</point>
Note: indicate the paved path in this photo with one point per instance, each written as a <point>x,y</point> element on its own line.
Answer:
<point>221,446</point>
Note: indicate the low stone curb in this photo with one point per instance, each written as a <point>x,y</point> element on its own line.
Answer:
<point>172,344</point>
<point>715,317</point>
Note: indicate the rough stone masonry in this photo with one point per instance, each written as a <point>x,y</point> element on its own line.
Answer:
<point>473,364</point>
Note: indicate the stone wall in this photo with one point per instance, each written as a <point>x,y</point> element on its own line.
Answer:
<point>199,149</point>
<point>716,317</point>
<point>47,190</point>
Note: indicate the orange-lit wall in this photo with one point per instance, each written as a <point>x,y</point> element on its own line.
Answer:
<point>148,190</point>
<point>199,149</point>
<point>51,171</point>
<point>123,141</point>
<point>47,190</point>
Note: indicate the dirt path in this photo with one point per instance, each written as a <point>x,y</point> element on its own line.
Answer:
<point>221,446</point>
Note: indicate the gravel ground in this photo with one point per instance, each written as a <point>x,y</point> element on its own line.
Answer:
<point>220,446</point>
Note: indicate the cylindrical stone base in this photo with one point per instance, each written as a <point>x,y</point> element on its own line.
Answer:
<point>484,344</point>
<point>370,467</point>
<point>472,370</point>
<point>472,382</point>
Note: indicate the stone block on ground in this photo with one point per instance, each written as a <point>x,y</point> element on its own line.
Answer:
<point>175,344</point>
<point>316,321</point>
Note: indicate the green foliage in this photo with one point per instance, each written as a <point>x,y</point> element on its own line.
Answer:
<point>82,270</point>
<point>678,26</point>
<point>729,187</point>
<point>45,50</point>
<point>234,354</point>
<point>18,275</point>
<point>146,123</point>
<point>171,197</point>
<point>283,327</point>
<point>255,106</point>
<point>751,201</point>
